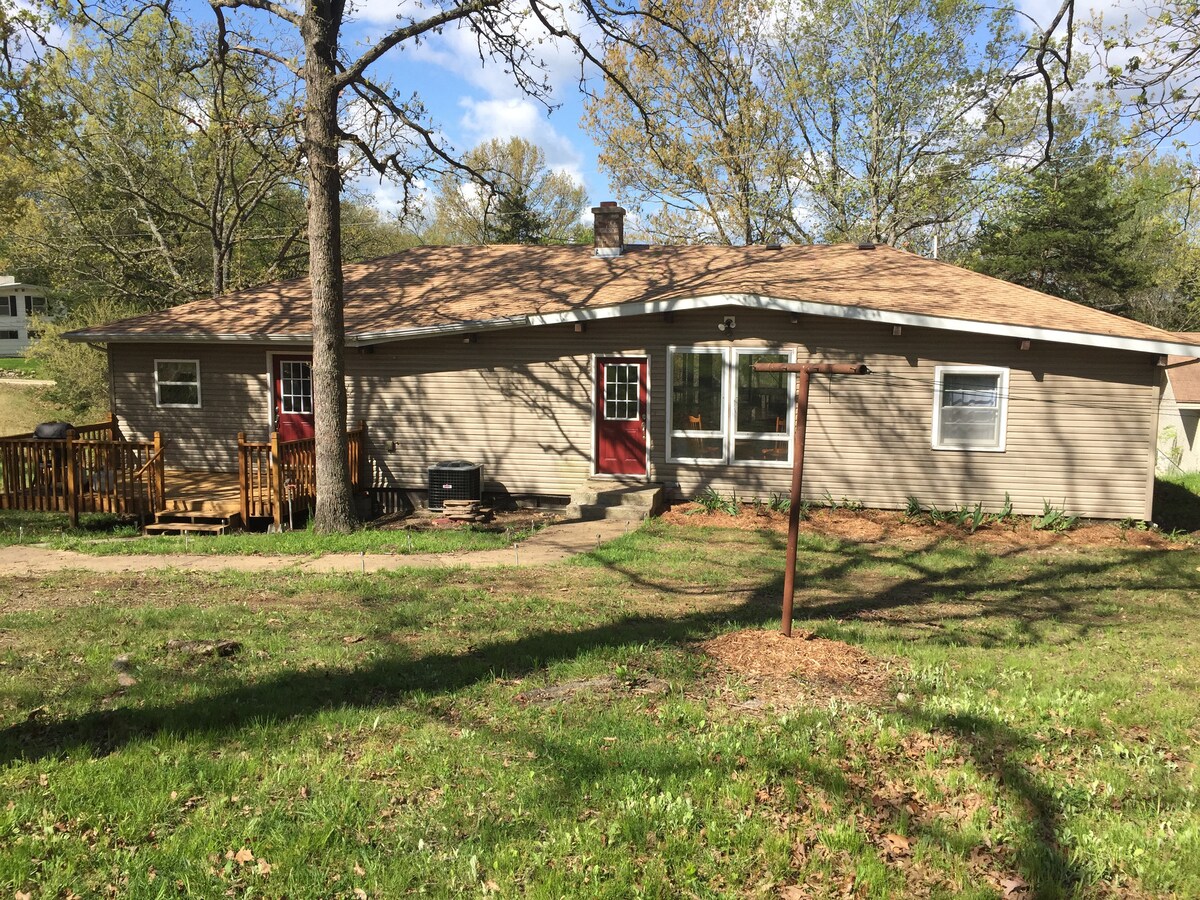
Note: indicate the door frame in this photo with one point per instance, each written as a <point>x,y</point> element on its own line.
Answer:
<point>593,390</point>
<point>272,400</point>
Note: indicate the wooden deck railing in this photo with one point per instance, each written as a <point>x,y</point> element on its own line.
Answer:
<point>90,470</point>
<point>273,472</point>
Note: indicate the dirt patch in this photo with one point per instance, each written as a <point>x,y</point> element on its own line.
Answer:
<point>871,526</point>
<point>825,668</point>
<point>501,520</point>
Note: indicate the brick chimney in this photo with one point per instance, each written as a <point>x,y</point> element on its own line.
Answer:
<point>609,229</point>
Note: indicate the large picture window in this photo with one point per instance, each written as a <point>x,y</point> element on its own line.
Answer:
<point>970,406</point>
<point>722,411</point>
<point>177,382</point>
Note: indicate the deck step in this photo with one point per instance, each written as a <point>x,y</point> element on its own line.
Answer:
<point>188,527</point>
<point>192,523</point>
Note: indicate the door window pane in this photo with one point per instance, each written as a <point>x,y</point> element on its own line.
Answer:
<point>295,387</point>
<point>622,388</point>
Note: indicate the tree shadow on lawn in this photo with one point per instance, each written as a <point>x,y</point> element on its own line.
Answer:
<point>1019,597</point>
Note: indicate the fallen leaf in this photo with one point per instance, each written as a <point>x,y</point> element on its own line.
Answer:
<point>243,856</point>
<point>359,870</point>
<point>264,867</point>
<point>1014,885</point>
<point>353,639</point>
<point>490,887</point>
<point>21,895</point>
<point>303,792</point>
<point>44,780</point>
<point>792,892</point>
<point>896,844</point>
<point>360,894</point>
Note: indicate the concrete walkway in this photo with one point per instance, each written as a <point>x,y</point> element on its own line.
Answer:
<point>550,545</point>
<point>27,382</point>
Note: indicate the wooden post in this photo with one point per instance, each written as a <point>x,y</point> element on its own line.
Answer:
<point>277,497</point>
<point>243,479</point>
<point>803,371</point>
<point>72,488</point>
<point>159,470</point>
<point>113,425</point>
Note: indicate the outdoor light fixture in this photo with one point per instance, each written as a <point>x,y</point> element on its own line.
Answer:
<point>727,324</point>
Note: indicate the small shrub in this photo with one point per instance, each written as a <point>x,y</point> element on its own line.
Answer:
<point>913,508</point>
<point>780,502</point>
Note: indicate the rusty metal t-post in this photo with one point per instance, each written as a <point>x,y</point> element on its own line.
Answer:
<point>803,371</point>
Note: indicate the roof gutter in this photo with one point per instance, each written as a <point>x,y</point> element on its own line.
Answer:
<point>359,339</point>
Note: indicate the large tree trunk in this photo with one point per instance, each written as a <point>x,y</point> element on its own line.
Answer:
<point>335,505</point>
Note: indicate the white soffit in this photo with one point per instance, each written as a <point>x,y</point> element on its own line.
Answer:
<point>864,314</point>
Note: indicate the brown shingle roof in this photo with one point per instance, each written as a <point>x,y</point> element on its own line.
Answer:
<point>1184,372</point>
<point>438,287</point>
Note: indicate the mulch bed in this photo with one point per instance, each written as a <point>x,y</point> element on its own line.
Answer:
<point>875,526</point>
<point>824,667</point>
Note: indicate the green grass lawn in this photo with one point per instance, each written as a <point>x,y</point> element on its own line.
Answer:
<point>370,738</point>
<point>20,367</point>
<point>22,408</point>
<point>106,535</point>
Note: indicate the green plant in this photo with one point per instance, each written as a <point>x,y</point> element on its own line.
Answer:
<point>780,502</point>
<point>976,518</point>
<point>713,501</point>
<point>913,508</point>
<point>1053,519</point>
<point>1006,510</point>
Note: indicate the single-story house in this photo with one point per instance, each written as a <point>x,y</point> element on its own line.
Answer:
<point>555,365</point>
<point>1179,414</point>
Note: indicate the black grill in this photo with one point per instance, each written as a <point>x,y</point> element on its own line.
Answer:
<point>454,479</point>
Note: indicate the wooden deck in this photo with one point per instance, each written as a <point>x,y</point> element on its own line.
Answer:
<point>202,493</point>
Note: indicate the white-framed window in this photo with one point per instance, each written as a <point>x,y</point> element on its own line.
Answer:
<point>10,334</point>
<point>177,382</point>
<point>970,408</point>
<point>35,306</point>
<point>721,411</point>
<point>295,386</point>
<point>8,306</point>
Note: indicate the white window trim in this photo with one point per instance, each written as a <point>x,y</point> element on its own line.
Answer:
<point>157,384</point>
<point>726,434</point>
<point>1002,400</point>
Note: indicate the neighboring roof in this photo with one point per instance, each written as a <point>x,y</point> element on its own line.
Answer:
<point>1184,373</point>
<point>431,290</point>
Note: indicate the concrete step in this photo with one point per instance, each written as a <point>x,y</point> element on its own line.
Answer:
<point>622,501</point>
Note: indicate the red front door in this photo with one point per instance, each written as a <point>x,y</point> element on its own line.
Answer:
<point>621,405</point>
<point>293,398</point>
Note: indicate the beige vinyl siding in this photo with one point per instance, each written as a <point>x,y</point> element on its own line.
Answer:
<point>1080,421</point>
<point>233,396</point>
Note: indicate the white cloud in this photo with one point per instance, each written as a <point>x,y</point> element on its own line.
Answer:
<point>521,117</point>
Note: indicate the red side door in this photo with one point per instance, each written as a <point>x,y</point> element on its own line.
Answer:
<point>621,406</point>
<point>293,398</point>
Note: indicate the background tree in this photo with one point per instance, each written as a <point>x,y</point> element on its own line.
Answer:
<point>696,144</point>
<point>164,169</point>
<point>508,197</point>
<point>1157,67</point>
<point>1061,232</point>
<point>817,120</point>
